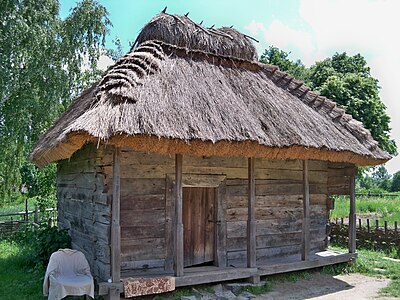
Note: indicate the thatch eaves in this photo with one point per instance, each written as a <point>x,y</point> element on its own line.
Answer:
<point>170,95</point>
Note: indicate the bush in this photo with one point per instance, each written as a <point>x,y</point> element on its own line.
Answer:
<point>38,242</point>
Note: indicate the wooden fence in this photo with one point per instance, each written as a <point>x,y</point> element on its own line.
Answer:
<point>377,195</point>
<point>372,235</point>
<point>10,222</point>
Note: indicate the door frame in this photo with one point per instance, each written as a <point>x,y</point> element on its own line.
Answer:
<point>196,180</point>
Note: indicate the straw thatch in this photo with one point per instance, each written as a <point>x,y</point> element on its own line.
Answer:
<point>190,90</point>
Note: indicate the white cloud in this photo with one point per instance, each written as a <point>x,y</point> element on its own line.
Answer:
<point>282,36</point>
<point>369,27</point>
<point>104,62</point>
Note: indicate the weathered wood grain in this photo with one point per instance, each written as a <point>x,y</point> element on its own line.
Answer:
<point>115,219</point>
<point>251,215</point>
<point>133,217</point>
<point>305,236</point>
<point>352,215</point>
<point>178,225</point>
<point>276,200</point>
<point>142,231</point>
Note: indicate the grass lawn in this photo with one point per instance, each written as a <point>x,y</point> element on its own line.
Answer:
<point>17,281</point>
<point>382,208</point>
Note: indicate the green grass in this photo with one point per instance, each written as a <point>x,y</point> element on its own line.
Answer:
<point>256,290</point>
<point>382,208</point>
<point>371,263</point>
<point>17,281</point>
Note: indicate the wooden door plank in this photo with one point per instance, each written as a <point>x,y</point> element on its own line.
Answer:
<point>210,225</point>
<point>221,227</point>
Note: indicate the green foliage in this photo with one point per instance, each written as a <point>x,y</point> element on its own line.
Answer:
<point>395,186</point>
<point>42,59</point>
<point>277,57</point>
<point>346,80</point>
<point>38,242</point>
<point>382,178</point>
<point>373,180</point>
<point>369,207</point>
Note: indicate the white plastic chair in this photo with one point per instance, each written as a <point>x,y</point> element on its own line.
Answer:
<point>68,273</point>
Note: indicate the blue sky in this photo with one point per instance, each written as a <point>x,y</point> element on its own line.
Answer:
<point>128,17</point>
<point>310,30</point>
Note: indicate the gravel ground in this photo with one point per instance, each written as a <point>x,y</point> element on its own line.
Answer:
<point>327,287</point>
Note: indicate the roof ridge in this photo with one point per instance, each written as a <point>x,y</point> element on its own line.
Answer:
<point>321,104</point>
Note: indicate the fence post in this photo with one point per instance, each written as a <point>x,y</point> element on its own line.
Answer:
<point>395,226</point>
<point>35,216</point>
<point>368,225</point>
<point>359,223</point>
<point>377,224</point>
<point>341,220</point>
<point>385,227</point>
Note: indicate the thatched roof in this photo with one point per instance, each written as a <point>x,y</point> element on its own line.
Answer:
<point>191,90</point>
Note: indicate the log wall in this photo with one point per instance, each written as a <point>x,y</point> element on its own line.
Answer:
<point>278,205</point>
<point>84,190</point>
<point>143,209</point>
<point>84,208</point>
<point>279,196</point>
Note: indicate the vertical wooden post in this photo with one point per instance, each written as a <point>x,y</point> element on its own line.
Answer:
<point>115,225</point>
<point>305,237</point>
<point>26,208</point>
<point>251,216</point>
<point>352,214</point>
<point>178,255</point>
<point>35,216</point>
<point>368,229</point>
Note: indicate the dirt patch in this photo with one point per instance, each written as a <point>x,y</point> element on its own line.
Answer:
<point>328,287</point>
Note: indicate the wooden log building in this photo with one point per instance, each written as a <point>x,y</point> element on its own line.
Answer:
<point>191,162</point>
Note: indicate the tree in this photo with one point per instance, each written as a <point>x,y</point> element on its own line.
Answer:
<point>41,58</point>
<point>396,182</point>
<point>381,178</point>
<point>346,80</point>
<point>277,57</point>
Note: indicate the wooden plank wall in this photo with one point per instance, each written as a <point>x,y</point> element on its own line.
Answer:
<point>278,204</point>
<point>84,208</point>
<point>279,197</point>
<point>339,175</point>
<point>142,207</point>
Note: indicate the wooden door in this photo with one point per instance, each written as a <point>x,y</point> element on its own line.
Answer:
<point>198,225</point>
